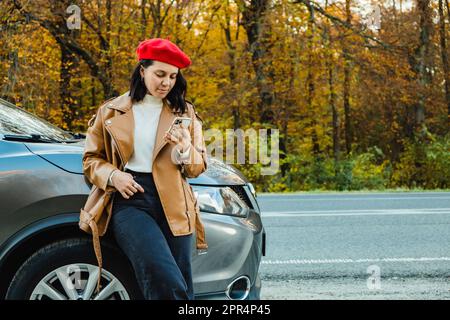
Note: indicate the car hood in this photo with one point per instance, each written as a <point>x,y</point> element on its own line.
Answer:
<point>68,157</point>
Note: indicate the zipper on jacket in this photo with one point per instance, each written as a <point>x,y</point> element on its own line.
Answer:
<point>117,146</point>
<point>186,204</point>
<point>189,189</point>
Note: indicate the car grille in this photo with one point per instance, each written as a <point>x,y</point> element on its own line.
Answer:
<point>242,194</point>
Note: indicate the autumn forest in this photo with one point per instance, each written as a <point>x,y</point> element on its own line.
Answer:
<point>358,89</point>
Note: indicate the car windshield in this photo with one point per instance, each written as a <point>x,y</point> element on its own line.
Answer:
<point>15,121</point>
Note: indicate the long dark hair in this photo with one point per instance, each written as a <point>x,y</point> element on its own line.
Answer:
<point>176,95</point>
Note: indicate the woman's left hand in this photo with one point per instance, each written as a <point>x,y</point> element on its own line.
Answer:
<point>179,136</point>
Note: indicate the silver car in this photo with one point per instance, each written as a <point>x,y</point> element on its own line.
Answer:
<point>44,255</point>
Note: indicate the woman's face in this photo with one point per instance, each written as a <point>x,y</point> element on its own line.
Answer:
<point>159,78</point>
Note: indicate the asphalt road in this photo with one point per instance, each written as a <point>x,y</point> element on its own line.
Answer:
<point>356,246</point>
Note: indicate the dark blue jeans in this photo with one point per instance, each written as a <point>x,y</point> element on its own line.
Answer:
<point>161,261</point>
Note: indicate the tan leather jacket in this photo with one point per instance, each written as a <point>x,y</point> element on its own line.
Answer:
<point>109,146</point>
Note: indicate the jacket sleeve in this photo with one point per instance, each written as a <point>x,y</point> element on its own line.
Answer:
<point>95,166</point>
<point>197,162</point>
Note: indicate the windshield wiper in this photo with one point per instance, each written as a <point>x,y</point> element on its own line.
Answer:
<point>77,135</point>
<point>30,138</point>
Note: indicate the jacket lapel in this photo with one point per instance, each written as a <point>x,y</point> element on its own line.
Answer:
<point>165,120</point>
<point>121,126</point>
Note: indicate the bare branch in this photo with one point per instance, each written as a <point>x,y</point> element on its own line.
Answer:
<point>349,26</point>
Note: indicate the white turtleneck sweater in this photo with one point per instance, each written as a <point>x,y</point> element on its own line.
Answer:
<point>146,115</point>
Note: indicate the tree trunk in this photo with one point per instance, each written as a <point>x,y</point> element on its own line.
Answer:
<point>232,74</point>
<point>68,67</point>
<point>143,25</point>
<point>332,97</point>
<point>448,9</point>
<point>108,53</point>
<point>444,56</point>
<point>253,23</point>
<point>310,81</point>
<point>68,105</point>
<point>93,93</point>
<point>120,19</point>
<point>346,93</point>
<point>335,114</point>
<point>158,17</point>
<point>13,57</point>
<point>421,61</point>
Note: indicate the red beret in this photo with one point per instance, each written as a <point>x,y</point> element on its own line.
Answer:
<point>162,50</point>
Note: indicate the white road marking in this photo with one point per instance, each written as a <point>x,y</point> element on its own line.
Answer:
<point>339,261</point>
<point>340,193</point>
<point>282,199</point>
<point>360,212</point>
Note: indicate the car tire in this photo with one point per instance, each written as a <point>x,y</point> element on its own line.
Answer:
<point>73,252</point>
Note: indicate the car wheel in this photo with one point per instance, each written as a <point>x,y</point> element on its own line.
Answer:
<point>67,270</point>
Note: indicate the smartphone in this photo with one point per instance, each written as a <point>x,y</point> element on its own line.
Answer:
<point>180,120</point>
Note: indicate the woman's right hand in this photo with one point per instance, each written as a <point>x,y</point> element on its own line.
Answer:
<point>125,184</point>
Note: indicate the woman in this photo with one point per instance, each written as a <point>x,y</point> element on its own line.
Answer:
<point>138,170</point>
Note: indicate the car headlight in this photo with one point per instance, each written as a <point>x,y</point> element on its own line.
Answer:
<point>252,189</point>
<point>222,200</point>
